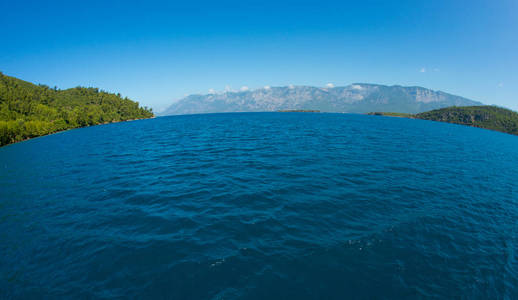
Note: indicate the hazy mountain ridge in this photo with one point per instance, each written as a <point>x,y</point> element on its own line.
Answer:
<point>354,98</point>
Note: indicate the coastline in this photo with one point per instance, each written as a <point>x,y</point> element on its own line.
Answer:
<point>64,130</point>
<point>447,118</point>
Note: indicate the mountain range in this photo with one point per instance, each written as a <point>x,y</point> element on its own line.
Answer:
<point>354,98</point>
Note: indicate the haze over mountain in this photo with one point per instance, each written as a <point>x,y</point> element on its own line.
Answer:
<point>354,98</point>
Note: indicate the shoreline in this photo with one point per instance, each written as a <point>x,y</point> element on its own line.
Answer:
<point>65,130</point>
<point>454,122</point>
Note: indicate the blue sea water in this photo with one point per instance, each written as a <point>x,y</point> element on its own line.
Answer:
<point>261,206</point>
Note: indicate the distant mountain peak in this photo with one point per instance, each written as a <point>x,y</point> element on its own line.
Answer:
<point>353,98</point>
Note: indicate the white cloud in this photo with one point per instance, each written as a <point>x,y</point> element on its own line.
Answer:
<point>291,87</point>
<point>212,91</point>
<point>330,85</point>
<point>267,87</point>
<point>244,88</point>
<point>228,88</point>
<point>356,87</point>
<point>423,70</point>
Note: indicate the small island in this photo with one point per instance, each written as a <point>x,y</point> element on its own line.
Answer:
<point>28,110</point>
<point>299,110</point>
<point>483,116</point>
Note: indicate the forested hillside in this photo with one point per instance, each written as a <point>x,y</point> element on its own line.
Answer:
<point>489,117</point>
<point>28,110</point>
<point>483,116</point>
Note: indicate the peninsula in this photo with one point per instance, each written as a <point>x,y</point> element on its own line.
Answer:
<point>28,110</point>
<point>483,116</point>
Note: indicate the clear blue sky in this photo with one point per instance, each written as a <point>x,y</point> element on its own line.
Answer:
<point>158,51</point>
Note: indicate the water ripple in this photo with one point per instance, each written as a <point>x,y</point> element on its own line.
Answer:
<point>255,206</point>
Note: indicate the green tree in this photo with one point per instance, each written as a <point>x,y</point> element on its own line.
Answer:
<point>28,110</point>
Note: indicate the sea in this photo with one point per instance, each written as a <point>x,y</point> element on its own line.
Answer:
<point>261,206</point>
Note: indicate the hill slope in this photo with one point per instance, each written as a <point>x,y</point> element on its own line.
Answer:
<point>355,98</point>
<point>28,110</point>
<point>488,117</point>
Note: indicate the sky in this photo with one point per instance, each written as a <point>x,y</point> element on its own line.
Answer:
<point>156,52</point>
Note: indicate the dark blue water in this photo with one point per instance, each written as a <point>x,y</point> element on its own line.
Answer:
<point>261,206</point>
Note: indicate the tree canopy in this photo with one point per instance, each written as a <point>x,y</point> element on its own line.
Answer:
<point>487,116</point>
<point>483,116</point>
<point>28,110</point>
